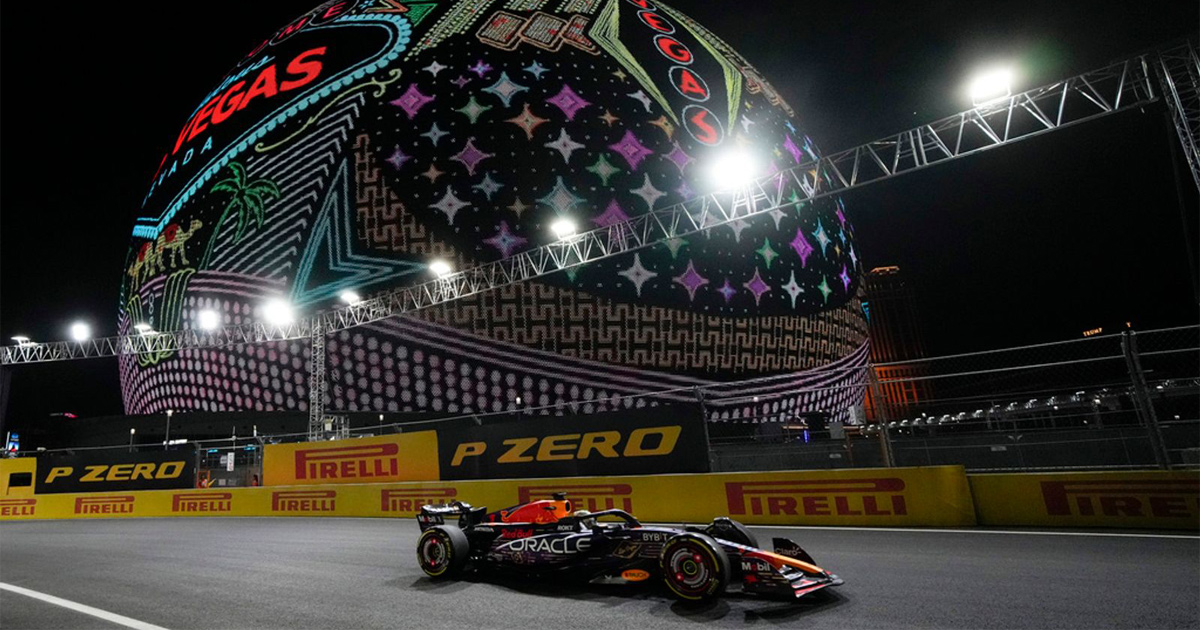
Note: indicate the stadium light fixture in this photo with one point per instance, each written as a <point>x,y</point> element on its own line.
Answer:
<point>144,329</point>
<point>563,229</point>
<point>208,319</point>
<point>278,313</point>
<point>22,341</point>
<point>991,86</point>
<point>732,170</point>
<point>440,268</point>
<point>80,331</point>
<point>350,297</point>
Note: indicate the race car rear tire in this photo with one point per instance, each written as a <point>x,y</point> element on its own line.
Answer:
<point>442,551</point>
<point>694,567</point>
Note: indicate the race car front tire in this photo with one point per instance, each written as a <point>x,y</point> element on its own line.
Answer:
<point>694,567</point>
<point>442,551</point>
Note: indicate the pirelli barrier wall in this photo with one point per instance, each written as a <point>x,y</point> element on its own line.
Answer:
<point>899,497</point>
<point>921,497</point>
<point>1152,499</point>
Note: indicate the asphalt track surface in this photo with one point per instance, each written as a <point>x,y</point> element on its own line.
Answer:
<point>362,573</point>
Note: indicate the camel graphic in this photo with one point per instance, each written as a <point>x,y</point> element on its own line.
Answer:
<point>151,259</point>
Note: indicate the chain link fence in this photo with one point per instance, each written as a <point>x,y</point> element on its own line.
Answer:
<point>1129,400</point>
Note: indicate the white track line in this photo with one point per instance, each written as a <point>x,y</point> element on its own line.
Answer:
<point>957,531</point>
<point>978,531</point>
<point>87,610</point>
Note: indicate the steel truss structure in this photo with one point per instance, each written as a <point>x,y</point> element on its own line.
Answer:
<point>1179,74</point>
<point>1118,87</point>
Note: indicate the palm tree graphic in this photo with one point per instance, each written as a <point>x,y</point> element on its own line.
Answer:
<point>248,198</point>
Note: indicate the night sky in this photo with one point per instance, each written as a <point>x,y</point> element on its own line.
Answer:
<point>1029,243</point>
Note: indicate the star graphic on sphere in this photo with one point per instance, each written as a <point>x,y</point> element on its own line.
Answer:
<point>470,156</point>
<point>737,227</point>
<point>473,110</point>
<point>505,88</point>
<point>505,240</point>
<point>757,286</point>
<point>821,237</point>
<point>612,214</point>
<point>662,123</point>
<point>845,277</point>
<point>564,145</point>
<point>685,191</point>
<point>824,288</point>
<point>841,212</point>
<point>727,291</point>
<point>791,147</point>
<point>561,199</point>
<point>609,118</point>
<point>637,274</point>
<point>434,68</point>
<point>630,148</point>
<point>434,134</point>
<point>746,122</point>
<point>620,74</point>
<point>398,158</point>
<point>603,169</point>
<point>568,101</point>
<point>648,192</point>
<point>527,121</point>
<point>777,214</point>
<point>433,173</point>
<point>793,289</point>
<point>641,97</point>
<point>767,252</point>
<point>488,186</point>
<point>536,69</point>
<point>853,259</point>
<point>674,245</point>
<point>802,247</point>
<point>691,280</point>
<point>412,101</point>
<point>480,69</point>
<point>518,207</point>
<point>461,81</point>
<point>679,158</point>
<point>449,205</point>
<point>791,127</point>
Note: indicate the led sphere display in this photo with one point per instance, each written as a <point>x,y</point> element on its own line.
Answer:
<point>369,138</point>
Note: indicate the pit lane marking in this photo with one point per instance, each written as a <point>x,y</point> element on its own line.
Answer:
<point>77,607</point>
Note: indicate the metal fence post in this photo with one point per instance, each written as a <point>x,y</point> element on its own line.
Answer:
<point>885,438</point>
<point>1141,399</point>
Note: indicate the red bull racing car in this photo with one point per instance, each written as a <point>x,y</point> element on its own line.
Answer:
<point>546,538</point>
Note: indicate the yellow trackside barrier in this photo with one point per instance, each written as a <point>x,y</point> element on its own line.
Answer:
<point>25,469</point>
<point>935,496</point>
<point>1152,499</point>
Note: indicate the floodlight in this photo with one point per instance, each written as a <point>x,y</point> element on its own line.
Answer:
<point>350,297</point>
<point>208,319</point>
<point>991,86</point>
<point>733,169</point>
<point>81,331</point>
<point>278,313</point>
<point>563,228</point>
<point>22,340</point>
<point>144,329</point>
<point>440,268</point>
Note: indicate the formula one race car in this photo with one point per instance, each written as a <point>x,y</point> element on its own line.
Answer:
<point>545,538</point>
